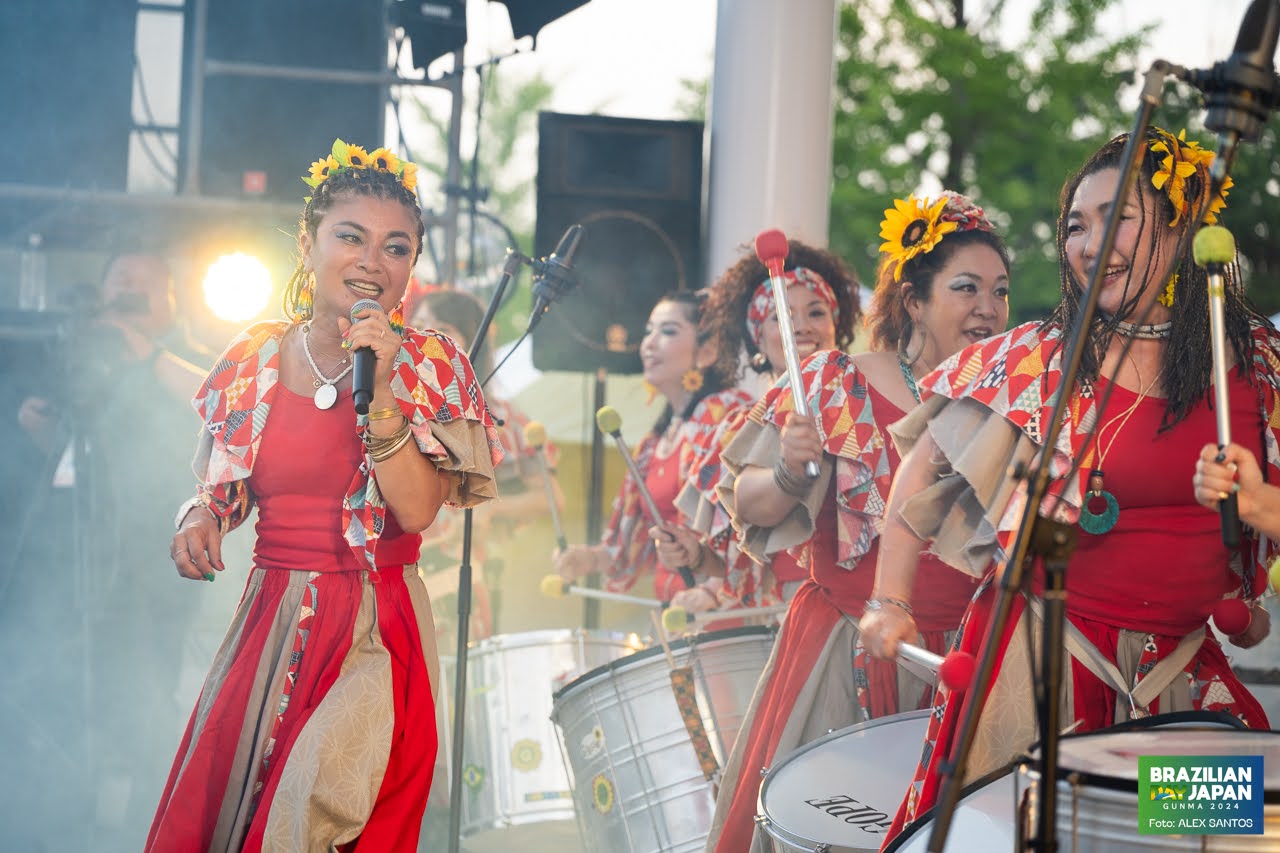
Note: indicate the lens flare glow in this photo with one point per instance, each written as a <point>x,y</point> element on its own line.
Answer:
<point>237,287</point>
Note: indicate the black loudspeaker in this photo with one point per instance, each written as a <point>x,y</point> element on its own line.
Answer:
<point>67,69</point>
<point>252,126</point>
<point>636,188</point>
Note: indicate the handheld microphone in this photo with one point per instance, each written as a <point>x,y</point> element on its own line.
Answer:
<point>364,361</point>
<point>1214,248</point>
<point>554,276</point>
<point>1241,91</point>
<point>610,423</point>
<point>535,435</point>
<point>772,250</point>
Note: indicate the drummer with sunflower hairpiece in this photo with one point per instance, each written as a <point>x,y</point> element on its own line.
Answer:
<point>943,283</point>
<point>1138,594</point>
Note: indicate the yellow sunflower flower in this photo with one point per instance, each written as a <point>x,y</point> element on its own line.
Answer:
<point>385,160</point>
<point>1175,168</point>
<point>410,176</point>
<point>357,157</point>
<point>1204,162</point>
<point>320,170</point>
<point>1182,160</point>
<point>912,228</point>
<point>1218,203</point>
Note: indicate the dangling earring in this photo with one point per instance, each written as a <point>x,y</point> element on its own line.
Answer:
<point>692,380</point>
<point>651,390</point>
<point>760,362</point>
<point>904,343</point>
<point>396,318</point>
<point>1166,298</point>
<point>305,306</point>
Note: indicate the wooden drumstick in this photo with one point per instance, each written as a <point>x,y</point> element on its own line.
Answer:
<point>772,249</point>
<point>554,586</point>
<point>535,435</point>
<point>610,423</point>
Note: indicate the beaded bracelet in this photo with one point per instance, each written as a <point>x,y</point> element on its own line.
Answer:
<point>878,603</point>
<point>789,483</point>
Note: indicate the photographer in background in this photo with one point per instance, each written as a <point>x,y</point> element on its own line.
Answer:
<point>111,426</point>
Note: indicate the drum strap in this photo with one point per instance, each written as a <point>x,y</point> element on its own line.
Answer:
<point>687,701</point>
<point>1155,681</point>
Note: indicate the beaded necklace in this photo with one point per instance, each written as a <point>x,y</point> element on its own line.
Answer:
<point>326,394</point>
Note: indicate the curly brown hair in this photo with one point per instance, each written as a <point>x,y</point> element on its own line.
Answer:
<point>729,298</point>
<point>373,183</point>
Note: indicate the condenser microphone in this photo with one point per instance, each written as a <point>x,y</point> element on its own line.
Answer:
<point>1241,91</point>
<point>554,276</point>
<point>364,363</point>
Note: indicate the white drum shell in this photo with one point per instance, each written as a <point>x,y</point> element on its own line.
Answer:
<point>522,800</point>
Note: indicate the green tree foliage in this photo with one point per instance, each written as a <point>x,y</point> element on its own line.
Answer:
<point>509,114</point>
<point>1252,211</point>
<point>926,96</point>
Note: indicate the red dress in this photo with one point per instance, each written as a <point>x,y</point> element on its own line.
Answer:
<point>819,637</point>
<point>1135,586</point>
<point>315,728</point>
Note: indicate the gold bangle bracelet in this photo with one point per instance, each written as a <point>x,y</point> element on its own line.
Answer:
<point>383,414</point>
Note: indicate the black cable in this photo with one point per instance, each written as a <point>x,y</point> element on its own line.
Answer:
<point>513,348</point>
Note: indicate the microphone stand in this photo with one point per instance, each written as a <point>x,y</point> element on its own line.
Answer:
<point>1050,540</point>
<point>509,270</point>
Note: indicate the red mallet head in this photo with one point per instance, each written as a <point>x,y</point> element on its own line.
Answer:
<point>956,671</point>
<point>772,249</point>
<point>1232,616</point>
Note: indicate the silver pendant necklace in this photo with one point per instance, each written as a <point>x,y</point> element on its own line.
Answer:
<point>326,393</point>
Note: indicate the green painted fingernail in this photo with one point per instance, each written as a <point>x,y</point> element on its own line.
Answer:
<point>208,576</point>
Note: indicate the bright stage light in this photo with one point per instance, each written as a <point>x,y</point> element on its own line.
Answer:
<point>237,287</point>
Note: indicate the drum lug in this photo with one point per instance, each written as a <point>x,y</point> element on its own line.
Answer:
<point>764,771</point>
<point>822,848</point>
<point>762,820</point>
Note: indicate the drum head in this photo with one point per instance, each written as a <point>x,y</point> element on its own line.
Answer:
<point>638,658</point>
<point>844,789</point>
<point>1109,759</point>
<point>983,820</point>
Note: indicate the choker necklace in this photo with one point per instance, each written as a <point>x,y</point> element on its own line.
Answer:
<point>326,394</point>
<point>910,377</point>
<point>1146,331</point>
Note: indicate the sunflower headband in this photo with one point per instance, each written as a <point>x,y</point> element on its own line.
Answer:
<point>344,157</point>
<point>914,227</point>
<point>1184,176</point>
<point>761,306</point>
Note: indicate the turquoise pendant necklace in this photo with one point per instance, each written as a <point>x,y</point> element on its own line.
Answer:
<point>1098,523</point>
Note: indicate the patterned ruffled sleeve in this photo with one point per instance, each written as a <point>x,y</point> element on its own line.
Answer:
<point>440,395</point>
<point>855,456</point>
<point>232,404</point>
<point>984,409</point>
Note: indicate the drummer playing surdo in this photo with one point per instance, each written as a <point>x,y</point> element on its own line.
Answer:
<point>943,283</point>
<point>1138,599</point>
<point>691,369</point>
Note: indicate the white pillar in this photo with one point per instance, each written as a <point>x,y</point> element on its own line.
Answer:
<point>771,123</point>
